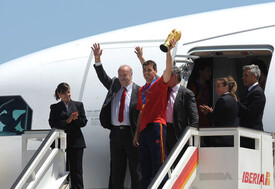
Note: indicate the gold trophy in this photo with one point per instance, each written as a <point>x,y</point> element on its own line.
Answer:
<point>175,34</point>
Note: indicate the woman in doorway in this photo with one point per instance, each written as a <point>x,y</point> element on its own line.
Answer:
<point>225,113</point>
<point>226,110</point>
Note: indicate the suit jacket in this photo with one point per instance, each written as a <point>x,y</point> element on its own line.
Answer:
<point>113,85</point>
<point>251,110</point>
<point>58,117</point>
<point>185,111</point>
<point>225,112</point>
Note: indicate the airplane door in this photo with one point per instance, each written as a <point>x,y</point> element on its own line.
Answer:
<point>229,61</point>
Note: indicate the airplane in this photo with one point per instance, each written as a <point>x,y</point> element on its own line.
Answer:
<point>229,39</point>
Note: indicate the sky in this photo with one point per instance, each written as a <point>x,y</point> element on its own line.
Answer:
<point>27,26</point>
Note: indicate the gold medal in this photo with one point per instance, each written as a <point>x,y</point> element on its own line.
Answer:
<point>143,106</point>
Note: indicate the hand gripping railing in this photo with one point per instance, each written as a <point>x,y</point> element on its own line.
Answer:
<point>42,159</point>
<point>187,136</point>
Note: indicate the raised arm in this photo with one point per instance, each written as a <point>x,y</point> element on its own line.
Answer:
<point>101,74</point>
<point>139,52</point>
<point>169,63</point>
<point>97,52</point>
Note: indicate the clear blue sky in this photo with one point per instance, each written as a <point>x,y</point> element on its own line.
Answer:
<point>28,26</point>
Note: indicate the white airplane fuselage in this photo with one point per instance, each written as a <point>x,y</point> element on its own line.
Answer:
<point>247,30</point>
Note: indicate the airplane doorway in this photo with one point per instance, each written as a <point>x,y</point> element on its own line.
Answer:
<point>223,62</point>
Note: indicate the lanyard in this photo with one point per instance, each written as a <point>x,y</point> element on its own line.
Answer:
<point>144,95</point>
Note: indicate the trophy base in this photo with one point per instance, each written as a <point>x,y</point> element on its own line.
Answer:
<point>163,48</point>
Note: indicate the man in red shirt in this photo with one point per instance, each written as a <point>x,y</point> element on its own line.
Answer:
<point>150,134</point>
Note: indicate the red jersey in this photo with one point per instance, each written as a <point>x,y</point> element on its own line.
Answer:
<point>154,109</point>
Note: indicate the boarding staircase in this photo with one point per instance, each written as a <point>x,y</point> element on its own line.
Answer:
<point>44,167</point>
<point>244,161</point>
<point>208,161</point>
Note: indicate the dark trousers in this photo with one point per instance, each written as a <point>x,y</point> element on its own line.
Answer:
<point>171,141</point>
<point>74,160</point>
<point>122,148</point>
<point>152,151</point>
<point>171,138</point>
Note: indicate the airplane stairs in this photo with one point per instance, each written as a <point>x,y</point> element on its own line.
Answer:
<point>46,166</point>
<point>227,158</point>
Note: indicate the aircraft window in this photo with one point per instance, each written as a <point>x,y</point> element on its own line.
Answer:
<point>223,62</point>
<point>15,115</point>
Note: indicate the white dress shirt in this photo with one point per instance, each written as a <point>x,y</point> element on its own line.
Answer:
<point>116,103</point>
<point>67,108</point>
<point>170,103</point>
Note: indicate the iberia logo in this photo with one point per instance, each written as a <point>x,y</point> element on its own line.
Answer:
<point>256,178</point>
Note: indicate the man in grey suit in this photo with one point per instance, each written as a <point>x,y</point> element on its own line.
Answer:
<point>181,110</point>
<point>252,108</point>
<point>119,114</point>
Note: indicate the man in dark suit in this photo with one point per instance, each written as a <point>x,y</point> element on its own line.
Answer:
<point>121,119</point>
<point>181,110</point>
<point>252,108</point>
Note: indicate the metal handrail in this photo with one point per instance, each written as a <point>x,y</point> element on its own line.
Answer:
<point>187,135</point>
<point>28,171</point>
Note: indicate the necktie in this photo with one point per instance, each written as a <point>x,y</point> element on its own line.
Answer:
<point>121,106</point>
<point>168,93</point>
<point>169,107</point>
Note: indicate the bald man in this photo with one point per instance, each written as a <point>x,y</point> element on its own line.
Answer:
<point>119,114</point>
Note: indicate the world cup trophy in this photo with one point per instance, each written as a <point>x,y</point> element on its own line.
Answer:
<point>175,34</point>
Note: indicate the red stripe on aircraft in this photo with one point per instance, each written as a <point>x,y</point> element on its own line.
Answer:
<point>187,171</point>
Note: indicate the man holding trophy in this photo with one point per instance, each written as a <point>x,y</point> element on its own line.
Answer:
<point>150,134</point>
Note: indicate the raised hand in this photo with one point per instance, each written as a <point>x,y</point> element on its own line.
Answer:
<point>139,53</point>
<point>172,44</point>
<point>97,52</point>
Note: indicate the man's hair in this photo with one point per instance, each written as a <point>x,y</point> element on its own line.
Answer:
<point>131,71</point>
<point>262,66</point>
<point>150,62</point>
<point>177,71</point>
<point>254,70</point>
